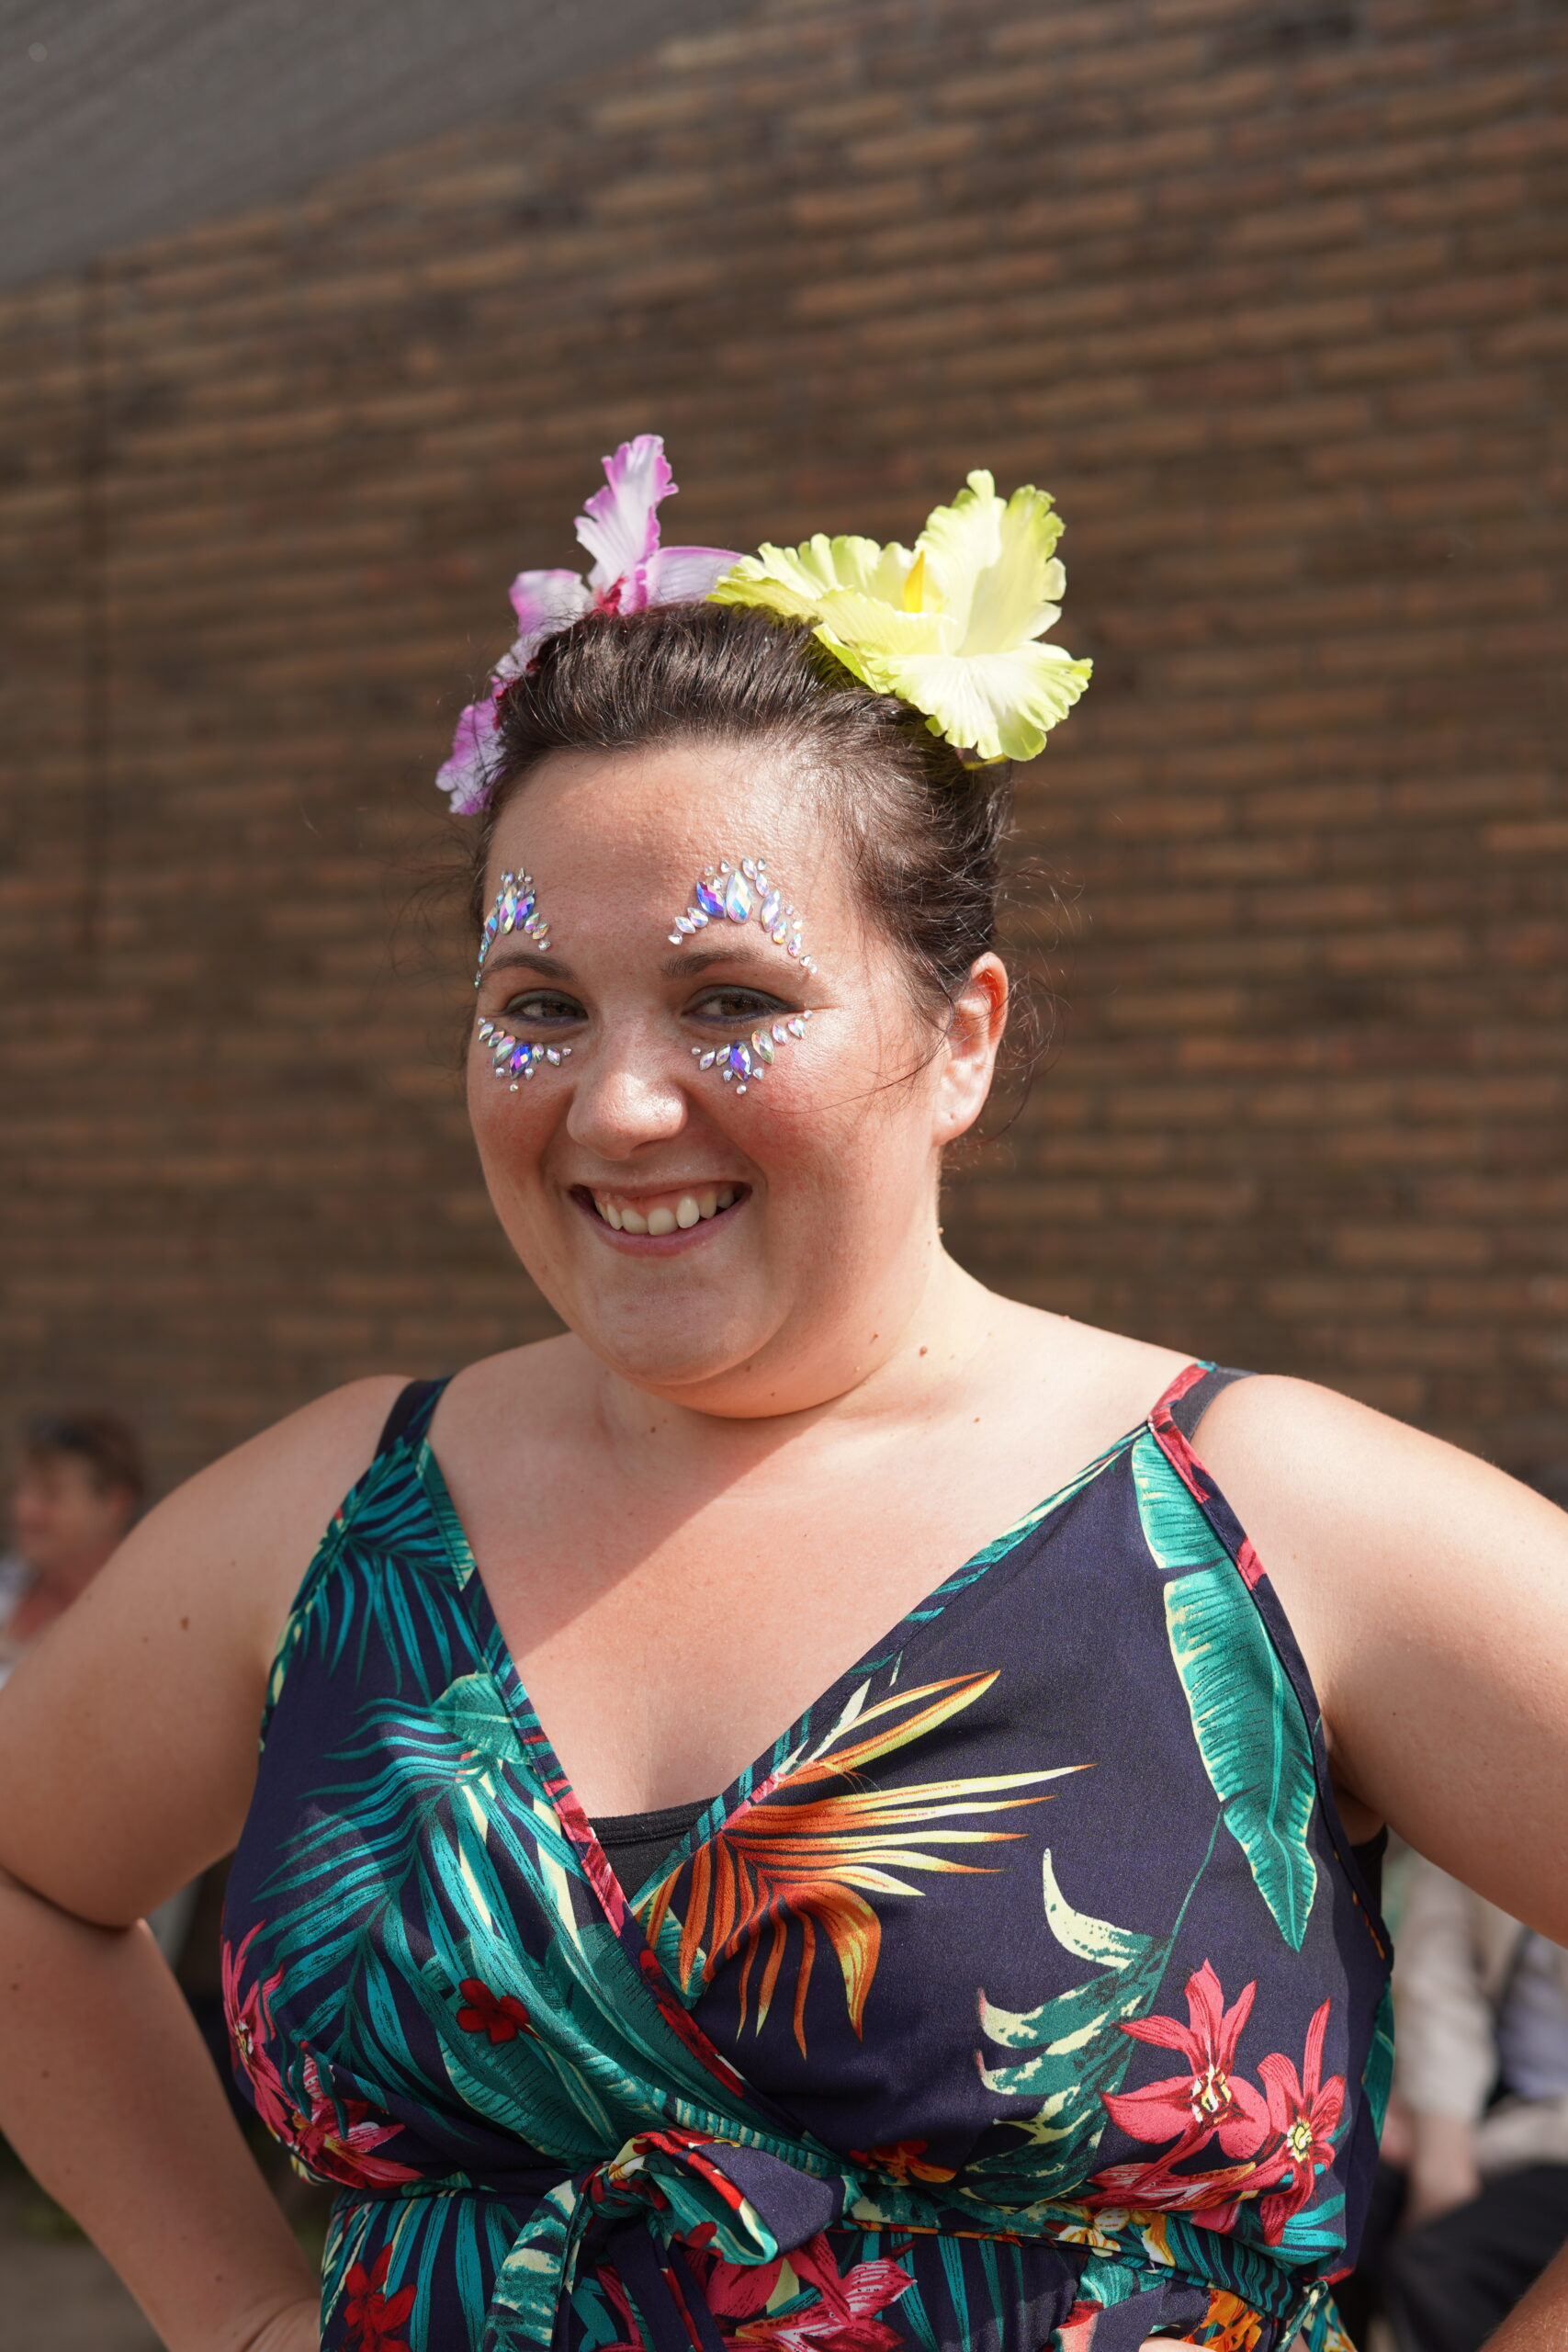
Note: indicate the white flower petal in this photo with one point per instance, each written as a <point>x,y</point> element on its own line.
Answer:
<point>793,581</point>
<point>619,524</point>
<point>683,575</point>
<point>994,562</point>
<point>1001,705</point>
<point>853,619</point>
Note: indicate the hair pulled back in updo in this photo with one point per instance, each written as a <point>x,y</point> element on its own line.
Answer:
<point>924,832</point>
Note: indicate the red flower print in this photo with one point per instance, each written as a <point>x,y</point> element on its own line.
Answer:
<point>338,2141</point>
<point>374,2318</point>
<point>1304,2112</point>
<point>903,2161</point>
<point>1190,2108</point>
<point>501,2015</point>
<point>1211,2197</point>
<point>841,2318</point>
<point>251,2030</point>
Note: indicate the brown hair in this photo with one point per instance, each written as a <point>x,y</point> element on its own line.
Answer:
<point>106,1445</point>
<point>924,832</point>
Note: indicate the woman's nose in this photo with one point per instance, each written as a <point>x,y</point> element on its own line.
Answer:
<point>626,1093</point>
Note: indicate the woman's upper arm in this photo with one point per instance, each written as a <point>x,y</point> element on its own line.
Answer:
<point>1429,1595</point>
<point>127,1737</point>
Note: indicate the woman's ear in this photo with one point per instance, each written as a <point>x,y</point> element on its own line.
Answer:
<point>974,1038</point>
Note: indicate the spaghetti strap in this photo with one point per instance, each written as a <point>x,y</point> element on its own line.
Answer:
<point>1188,1404</point>
<point>410,1411</point>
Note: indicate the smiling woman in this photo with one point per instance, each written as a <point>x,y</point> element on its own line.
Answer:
<point>792,1814</point>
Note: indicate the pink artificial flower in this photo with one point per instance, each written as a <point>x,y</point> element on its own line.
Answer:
<point>1209,2099</point>
<point>466,773</point>
<point>619,527</point>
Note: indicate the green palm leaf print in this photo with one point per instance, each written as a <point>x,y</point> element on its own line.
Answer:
<point>1246,1717</point>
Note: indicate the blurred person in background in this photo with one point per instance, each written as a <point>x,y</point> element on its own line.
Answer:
<point>1481,2074</point>
<point>80,1489</point>
<point>78,1492</point>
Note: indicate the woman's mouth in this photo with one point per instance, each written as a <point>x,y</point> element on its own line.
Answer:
<point>656,1214</point>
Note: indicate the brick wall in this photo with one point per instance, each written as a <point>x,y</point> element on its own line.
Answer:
<point>1270,295</point>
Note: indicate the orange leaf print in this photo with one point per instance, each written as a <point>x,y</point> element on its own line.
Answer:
<point>789,1858</point>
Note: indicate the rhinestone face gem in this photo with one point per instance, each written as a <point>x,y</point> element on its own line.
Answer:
<point>734,891</point>
<point>515,909</point>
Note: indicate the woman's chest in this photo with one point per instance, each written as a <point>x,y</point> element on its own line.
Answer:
<point>662,1660</point>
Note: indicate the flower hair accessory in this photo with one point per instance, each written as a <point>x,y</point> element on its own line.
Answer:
<point>619,527</point>
<point>952,626</point>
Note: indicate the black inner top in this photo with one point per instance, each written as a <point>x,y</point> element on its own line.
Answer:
<point>636,1843</point>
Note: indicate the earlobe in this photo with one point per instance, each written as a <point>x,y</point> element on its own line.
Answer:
<point>974,1037</point>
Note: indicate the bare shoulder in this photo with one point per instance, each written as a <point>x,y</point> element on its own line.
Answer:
<point>1428,1592</point>
<point>544,1387</point>
<point>264,1507</point>
<point>1111,1374</point>
<point>1319,1463</point>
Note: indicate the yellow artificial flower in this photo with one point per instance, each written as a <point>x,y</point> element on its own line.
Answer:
<point>952,626</point>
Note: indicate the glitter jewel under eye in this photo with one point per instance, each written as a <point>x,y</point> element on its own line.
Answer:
<point>516,907</point>
<point>735,894</point>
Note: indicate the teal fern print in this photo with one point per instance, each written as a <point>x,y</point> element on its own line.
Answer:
<point>1077,2047</point>
<point>1246,1718</point>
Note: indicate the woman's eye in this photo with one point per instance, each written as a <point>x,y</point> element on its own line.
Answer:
<point>731,1005</point>
<point>541,1006</point>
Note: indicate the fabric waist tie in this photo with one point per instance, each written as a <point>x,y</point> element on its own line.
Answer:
<point>666,2196</point>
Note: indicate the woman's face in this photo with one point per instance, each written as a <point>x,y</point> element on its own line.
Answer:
<point>742,1252</point>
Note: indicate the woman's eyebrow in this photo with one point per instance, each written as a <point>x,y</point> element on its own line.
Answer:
<point>692,960</point>
<point>528,959</point>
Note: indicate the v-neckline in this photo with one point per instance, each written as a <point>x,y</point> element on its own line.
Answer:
<point>619,1906</point>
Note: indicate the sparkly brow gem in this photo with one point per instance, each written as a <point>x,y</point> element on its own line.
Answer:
<point>516,907</point>
<point>735,894</point>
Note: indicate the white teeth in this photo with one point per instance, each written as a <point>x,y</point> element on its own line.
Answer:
<point>689,1209</point>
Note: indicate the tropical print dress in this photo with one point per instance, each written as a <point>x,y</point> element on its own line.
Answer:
<point>1026,1993</point>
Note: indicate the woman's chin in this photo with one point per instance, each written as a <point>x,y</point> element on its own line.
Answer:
<point>679,1363</point>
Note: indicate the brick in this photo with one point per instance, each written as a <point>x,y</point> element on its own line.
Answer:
<point>1280,326</point>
